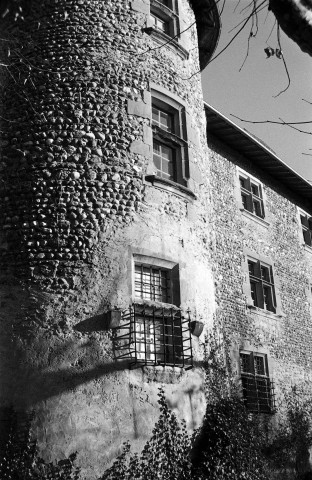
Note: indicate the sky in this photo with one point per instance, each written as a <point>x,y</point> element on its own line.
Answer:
<point>249,93</point>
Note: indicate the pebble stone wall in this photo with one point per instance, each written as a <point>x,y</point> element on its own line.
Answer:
<point>75,147</point>
<point>284,337</point>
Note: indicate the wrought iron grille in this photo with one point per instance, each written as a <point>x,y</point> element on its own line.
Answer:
<point>258,393</point>
<point>151,335</point>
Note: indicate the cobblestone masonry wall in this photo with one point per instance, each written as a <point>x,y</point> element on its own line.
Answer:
<point>76,144</point>
<point>286,338</point>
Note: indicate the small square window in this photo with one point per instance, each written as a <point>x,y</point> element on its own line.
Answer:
<point>152,283</point>
<point>306,225</point>
<point>262,285</point>
<point>251,194</point>
<point>257,387</point>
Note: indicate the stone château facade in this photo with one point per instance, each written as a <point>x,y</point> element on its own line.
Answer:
<point>124,233</point>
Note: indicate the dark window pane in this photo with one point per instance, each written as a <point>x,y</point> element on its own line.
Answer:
<point>253,292</point>
<point>259,365</point>
<point>242,182</point>
<point>255,189</point>
<point>265,273</point>
<point>268,299</point>
<point>245,363</point>
<point>244,200</point>
<point>256,205</point>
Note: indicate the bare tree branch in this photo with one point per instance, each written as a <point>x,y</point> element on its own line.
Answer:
<point>282,56</point>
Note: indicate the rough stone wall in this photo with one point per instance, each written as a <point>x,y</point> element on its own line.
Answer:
<point>285,338</point>
<point>76,145</point>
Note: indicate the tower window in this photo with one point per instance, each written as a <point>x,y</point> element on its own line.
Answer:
<point>169,141</point>
<point>152,283</point>
<point>164,17</point>
<point>257,387</point>
<point>160,24</point>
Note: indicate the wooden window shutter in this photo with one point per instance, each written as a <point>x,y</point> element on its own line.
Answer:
<point>259,289</point>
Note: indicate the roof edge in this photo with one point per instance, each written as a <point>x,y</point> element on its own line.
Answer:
<point>208,28</point>
<point>263,148</point>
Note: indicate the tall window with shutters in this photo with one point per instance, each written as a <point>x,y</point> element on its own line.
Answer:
<point>258,389</point>
<point>262,285</point>
<point>306,225</point>
<point>251,193</point>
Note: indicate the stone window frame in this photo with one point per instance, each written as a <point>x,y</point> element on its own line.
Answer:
<point>162,264</point>
<point>268,262</point>
<point>152,346</point>
<point>245,346</point>
<point>169,15</point>
<point>304,228</point>
<point>179,139</point>
<point>247,213</point>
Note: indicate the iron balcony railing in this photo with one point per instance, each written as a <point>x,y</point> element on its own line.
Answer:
<point>152,335</point>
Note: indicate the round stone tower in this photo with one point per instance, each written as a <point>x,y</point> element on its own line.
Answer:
<point>105,270</point>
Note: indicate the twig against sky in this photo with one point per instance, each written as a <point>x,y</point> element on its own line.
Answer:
<point>282,56</point>
<point>280,121</point>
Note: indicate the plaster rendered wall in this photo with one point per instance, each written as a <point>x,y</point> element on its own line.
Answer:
<point>75,149</point>
<point>285,338</point>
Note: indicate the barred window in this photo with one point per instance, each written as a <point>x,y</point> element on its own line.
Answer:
<point>262,285</point>
<point>258,391</point>
<point>306,225</point>
<point>160,336</point>
<point>251,193</point>
<point>152,283</point>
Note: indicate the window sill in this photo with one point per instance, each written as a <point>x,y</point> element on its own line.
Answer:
<point>171,43</point>
<point>265,313</point>
<point>164,374</point>
<point>155,303</point>
<point>255,218</point>
<point>171,187</point>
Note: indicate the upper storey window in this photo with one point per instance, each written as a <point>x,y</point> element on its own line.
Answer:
<point>164,17</point>
<point>169,141</point>
<point>262,285</point>
<point>160,24</point>
<point>251,193</point>
<point>306,224</point>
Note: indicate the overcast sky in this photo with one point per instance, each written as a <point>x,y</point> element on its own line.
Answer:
<point>249,94</point>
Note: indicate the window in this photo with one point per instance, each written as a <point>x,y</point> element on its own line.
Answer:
<point>152,283</point>
<point>251,193</point>
<point>164,17</point>
<point>257,387</point>
<point>158,332</point>
<point>157,335</point>
<point>262,285</point>
<point>306,224</point>
<point>169,140</point>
